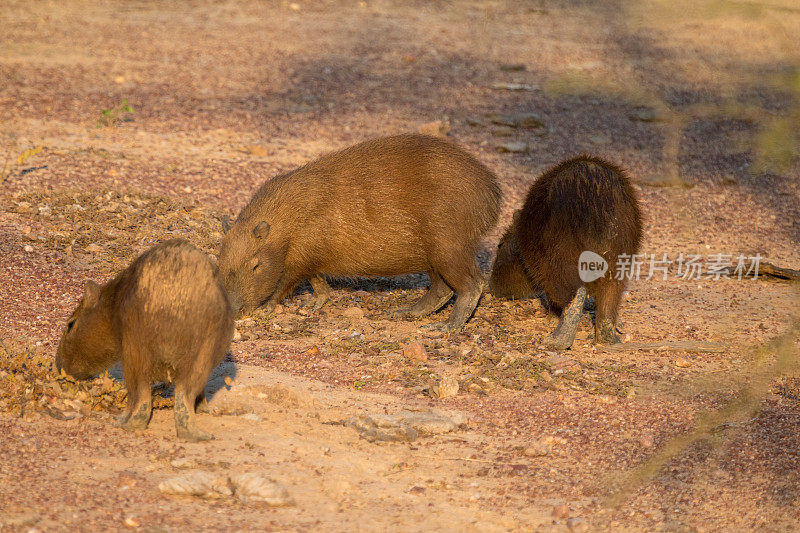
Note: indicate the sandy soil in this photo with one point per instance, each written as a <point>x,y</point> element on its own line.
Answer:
<point>701,104</point>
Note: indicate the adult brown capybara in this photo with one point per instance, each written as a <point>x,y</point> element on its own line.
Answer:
<point>583,205</point>
<point>388,206</point>
<point>167,317</point>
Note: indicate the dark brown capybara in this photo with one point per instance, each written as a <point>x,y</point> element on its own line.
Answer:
<point>582,205</point>
<point>384,207</point>
<point>168,318</point>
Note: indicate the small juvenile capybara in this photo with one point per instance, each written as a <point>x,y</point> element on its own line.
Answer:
<point>168,318</point>
<point>384,207</point>
<point>583,204</point>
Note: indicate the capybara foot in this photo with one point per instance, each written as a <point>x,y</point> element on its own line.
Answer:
<point>322,292</point>
<point>605,333</point>
<point>185,421</point>
<point>554,341</point>
<point>137,422</point>
<point>316,302</point>
<point>564,334</point>
<point>193,434</point>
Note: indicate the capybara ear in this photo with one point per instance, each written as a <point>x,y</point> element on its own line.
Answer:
<point>226,224</point>
<point>515,218</point>
<point>91,293</point>
<point>261,230</point>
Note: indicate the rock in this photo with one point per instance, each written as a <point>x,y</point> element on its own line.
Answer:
<point>405,426</point>
<point>431,423</point>
<point>252,417</point>
<point>502,131</point>
<point>599,139</point>
<point>647,440</point>
<point>504,86</point>
<point>414,351</point>
<point>512,67</point>
<point>437,128</point>
<point>539,448</point>
<point>28,248</point>
<point>512,147</point>
<point>446,387</point>
<point>252,487</point>
<point>560,511</point>
<point>92,248</point>
<point>201,484</point>
<point>369,428</point>
<point>577,525</point>
<point>237,335</point>
<point>517,120</point>
<point>20,520</point>
<point>182,463</point>
<point>131,522</point>
<point>511,357</point>
<point>644,114</point>
<point>353,313</point>
<point>680,362</point>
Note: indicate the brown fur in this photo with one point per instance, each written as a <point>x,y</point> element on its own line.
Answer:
<point>166,316</point>
<point>387,206</point>
<point>584,203</point>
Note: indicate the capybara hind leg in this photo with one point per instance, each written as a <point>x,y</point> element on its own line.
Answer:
<point>564,334</point>
<point>466,279</point>
<point>322,292</point>
<point>608,297</point>
<point>438,294</point>
<point>201,404</point>
<point>185,424</point>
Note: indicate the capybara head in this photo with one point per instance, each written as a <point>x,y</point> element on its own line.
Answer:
<point>509,279</point>
<point>87,345</point>
<point>251,262</point>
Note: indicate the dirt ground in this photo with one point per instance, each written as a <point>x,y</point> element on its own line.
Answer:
<point>127,123</point>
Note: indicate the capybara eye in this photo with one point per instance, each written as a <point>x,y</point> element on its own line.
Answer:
<point>256,264</point>
<point>70,324</point>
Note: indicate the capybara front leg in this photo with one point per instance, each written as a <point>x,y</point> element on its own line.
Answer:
<point>322,292</point>
<point>185,424</point>
<point>564,334</point>
<point>139,410</point>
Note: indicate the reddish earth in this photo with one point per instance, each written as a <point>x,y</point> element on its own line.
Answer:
<point>700,102</point>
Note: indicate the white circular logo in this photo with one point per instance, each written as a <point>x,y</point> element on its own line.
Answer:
<point>591,266</point>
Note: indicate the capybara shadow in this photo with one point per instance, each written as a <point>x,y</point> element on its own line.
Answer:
<point>166,317</point>
<point>384,207</point>
<point>584,205</point>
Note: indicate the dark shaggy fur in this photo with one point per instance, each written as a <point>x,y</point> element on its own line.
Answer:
<point>387,206</point>
<point>167,317</point>
<point>584,203</point>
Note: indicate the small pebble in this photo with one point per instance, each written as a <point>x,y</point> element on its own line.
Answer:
<point>415,352</point>
<point>577,525</point>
